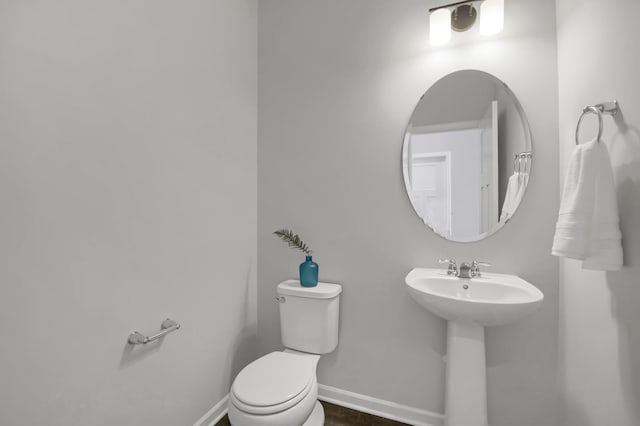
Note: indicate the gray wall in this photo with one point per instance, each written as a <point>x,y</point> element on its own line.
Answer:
<point>128,185</point>
<point>476,90</point>
<point>337,84</point>
<point>599,315</point>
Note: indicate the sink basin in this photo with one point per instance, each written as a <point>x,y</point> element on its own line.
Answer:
<point>469,305</point>
<point>492,299</point>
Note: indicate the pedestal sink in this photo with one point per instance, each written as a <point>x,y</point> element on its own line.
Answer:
<point>469,305</point>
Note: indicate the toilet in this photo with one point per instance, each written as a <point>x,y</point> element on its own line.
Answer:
<point>281,388</point>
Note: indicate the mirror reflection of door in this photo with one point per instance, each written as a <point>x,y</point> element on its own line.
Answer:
<point>452,181</point>
<point>430,184</point>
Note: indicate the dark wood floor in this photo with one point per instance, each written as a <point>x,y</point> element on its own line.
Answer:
<point>335,415</point>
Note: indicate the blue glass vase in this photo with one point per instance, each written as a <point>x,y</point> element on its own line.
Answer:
<point>308,273</point>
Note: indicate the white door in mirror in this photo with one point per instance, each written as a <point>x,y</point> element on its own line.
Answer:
<point>430,189</point>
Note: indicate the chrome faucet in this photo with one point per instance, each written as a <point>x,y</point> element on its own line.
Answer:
<point>453,268</point>
<point>475,268</point>
<point>466,270</point>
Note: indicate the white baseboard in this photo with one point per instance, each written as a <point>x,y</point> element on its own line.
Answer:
<point>215,414</point>
<point>355,401</point>
<point>379,407</point>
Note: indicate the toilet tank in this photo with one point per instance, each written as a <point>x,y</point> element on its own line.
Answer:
<point>309,316</point>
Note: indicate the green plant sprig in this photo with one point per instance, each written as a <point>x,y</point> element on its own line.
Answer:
<point>293,240</point>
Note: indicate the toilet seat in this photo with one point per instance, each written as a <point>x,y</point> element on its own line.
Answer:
<point>273,383</point>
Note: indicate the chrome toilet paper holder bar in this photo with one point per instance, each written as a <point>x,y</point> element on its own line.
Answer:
<point>168,326</point>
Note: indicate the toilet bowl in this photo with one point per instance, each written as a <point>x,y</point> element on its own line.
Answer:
<point>281,388</point>
<point>278,389</point>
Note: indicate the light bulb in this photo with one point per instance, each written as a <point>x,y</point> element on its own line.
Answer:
<point>440,27</point>
<point>491,17</point>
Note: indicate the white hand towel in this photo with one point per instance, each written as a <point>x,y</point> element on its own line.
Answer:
<point>605,246</point>
<point>523,181</point>
<point>587,226</point>
<point>573,228</point>
<point>516,185</point>
<point>512,191</point>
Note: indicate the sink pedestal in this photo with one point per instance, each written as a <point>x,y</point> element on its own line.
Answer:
<point>466,382</point>
<point>469,305</point>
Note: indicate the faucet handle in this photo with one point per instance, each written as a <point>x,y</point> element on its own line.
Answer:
<point>475,267</point>
<point>453,267</point>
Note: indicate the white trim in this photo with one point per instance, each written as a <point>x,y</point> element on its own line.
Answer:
<point>443,127</point>
<point>355,401</point>
<point>379,407</point>
<point>215,414</point>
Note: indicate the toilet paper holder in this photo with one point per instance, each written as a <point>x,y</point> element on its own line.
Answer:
<point>167,326</point>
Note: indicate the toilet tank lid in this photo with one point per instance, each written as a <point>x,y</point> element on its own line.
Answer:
<point>321,291</point>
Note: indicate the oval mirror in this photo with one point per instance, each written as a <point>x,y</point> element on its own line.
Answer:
<point>466,156</point>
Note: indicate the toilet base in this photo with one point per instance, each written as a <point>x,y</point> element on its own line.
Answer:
<point>316,418</point>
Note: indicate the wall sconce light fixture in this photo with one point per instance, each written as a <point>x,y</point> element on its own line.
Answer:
<point>461,16</point>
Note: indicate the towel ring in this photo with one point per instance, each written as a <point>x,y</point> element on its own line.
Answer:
<point>610,108</point>
<point>585,111</point>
